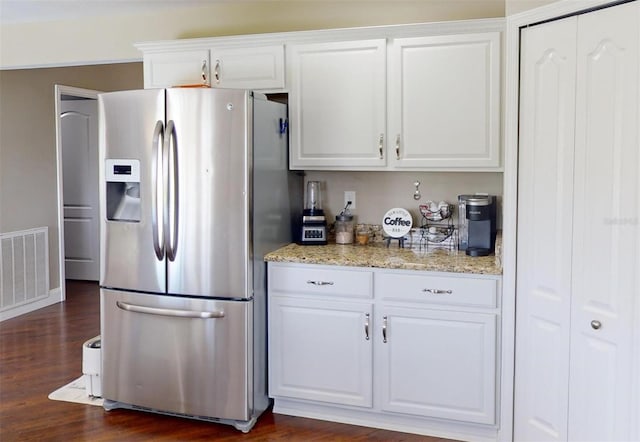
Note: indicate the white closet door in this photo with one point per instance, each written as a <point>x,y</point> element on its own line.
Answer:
<point>547,103</point>
<point>606,249</point>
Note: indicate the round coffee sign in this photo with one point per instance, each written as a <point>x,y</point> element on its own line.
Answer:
<point>397,222</point>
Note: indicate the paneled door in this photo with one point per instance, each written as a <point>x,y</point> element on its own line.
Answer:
<point>545,192</point>
<point>79,138</point>
<point>606,247</point>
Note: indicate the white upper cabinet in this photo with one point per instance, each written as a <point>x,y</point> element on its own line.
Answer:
<point>252,67</point>
<point>176,68</point>
<point>337,105</point>
<point>259,67</point>
<point>444,101</point>
<point>442,113</point>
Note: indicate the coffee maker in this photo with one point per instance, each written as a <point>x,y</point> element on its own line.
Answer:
<point>477,224</point>
<point>314,224</point>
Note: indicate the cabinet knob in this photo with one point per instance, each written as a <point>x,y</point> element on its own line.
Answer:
<point>595,324</point>
<point>398,147</point>
<point>381,145</point>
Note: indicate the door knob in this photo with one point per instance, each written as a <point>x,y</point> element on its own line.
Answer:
<point>595,324</point>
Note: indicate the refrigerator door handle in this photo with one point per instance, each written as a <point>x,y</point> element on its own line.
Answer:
<point>172,157</point>
<point>156,171</point>
<point>166,167</point>
<point>169,312</point>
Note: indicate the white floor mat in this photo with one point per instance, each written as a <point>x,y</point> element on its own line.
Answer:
<point>75,392</point>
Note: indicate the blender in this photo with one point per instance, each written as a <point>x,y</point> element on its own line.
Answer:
<point>314,223</point>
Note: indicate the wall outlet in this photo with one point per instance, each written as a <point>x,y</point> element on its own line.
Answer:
<point>350,195</point>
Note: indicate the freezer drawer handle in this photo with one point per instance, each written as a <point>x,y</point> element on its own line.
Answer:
<point>320,282</point>
<point>168,312</point>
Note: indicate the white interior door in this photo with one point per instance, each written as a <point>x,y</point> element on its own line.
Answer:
<point>545,192</point>
<point>79,142</point>
<point>606,211</point>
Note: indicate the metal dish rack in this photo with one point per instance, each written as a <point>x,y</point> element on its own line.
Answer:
<point>437,229</point>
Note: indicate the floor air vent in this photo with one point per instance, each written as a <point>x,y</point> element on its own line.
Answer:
<point>24,267</point>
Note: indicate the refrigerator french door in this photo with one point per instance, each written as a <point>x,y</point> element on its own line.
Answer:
<point>190,179</point>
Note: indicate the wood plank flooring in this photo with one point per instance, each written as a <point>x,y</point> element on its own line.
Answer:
<point>41,351</point>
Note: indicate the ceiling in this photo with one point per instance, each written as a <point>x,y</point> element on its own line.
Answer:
<point>28,11</point>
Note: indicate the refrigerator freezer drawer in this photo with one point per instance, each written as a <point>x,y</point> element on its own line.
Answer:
<point>177,355</point>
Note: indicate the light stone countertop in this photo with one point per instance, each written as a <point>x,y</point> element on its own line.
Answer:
<point>392,257</point>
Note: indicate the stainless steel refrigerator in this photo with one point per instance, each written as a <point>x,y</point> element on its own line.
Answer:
<point>195,189</point>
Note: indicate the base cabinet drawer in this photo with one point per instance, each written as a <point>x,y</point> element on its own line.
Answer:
<point>436,289</point>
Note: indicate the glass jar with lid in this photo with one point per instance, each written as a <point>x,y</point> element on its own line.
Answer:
<point>344,229</point>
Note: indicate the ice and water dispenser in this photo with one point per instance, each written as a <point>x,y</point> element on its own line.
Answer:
<point>123,190</point>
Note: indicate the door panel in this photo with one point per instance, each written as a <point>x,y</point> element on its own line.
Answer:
<point>437,363</point>
<point>320,351</point>
<point>189,365</point>
<point>545,191</point>
<point>337,104</point>
<point>212,252</point>
<point>79,143</point>
<point>127,123</point>
<point>606,248</point>
<point>445,101</point>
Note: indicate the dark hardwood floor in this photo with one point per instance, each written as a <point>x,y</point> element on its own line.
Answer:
<point>41,351</point>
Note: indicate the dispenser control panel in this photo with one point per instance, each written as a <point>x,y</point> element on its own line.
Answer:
<point>123,171</point>
<point>122,178</point>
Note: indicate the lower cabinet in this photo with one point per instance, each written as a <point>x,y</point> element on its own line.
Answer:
<point>413,351</point>
<point>321,350</point>
<point>437,363</point>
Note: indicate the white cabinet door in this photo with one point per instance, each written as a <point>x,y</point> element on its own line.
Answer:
<point>337,104</point>
<point>437,363</point>
<point>545,195</point>
<point>320,350</point>
<point>167,69</point>
<point>606,248</point>
<point>260,67</point>
<point>444,101</point>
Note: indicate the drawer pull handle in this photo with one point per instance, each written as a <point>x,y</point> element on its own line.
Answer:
<point>438,291</point>
<point>384,329</point>
<point>366,326</point>
<point>320,282</point>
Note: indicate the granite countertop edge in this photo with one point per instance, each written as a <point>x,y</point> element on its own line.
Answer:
<point>380,256</point>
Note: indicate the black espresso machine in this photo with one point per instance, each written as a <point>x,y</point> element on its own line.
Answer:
<point>477,224</point>
<point>313,230</point>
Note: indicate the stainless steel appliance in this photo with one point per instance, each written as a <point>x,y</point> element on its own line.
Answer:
<point>477,224</point>
<point>314,223</point>
<point>195,190</point>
